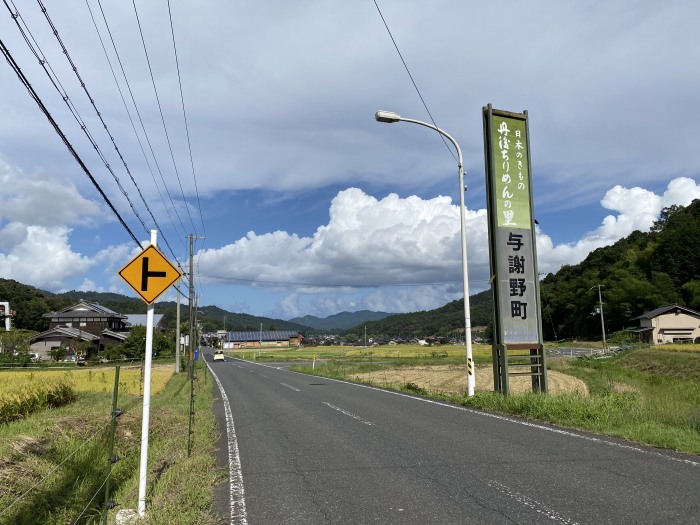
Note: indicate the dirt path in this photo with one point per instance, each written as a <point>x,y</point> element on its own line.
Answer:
<point>452,379</point>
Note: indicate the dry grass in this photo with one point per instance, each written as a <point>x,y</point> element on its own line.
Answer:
<point>451,379</point>
<point>619,388</point>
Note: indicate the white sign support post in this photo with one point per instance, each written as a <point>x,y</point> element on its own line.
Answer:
<point>143,469</point>
<point>149,274</point>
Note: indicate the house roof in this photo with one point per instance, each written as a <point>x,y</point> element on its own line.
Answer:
<point>277,335</point>
<point>121,336</point>
<point>65,331</point>
<point>85,309</point>
<point>664,309</point>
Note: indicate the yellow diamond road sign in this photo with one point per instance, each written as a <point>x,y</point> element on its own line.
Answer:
<point>150,274</point>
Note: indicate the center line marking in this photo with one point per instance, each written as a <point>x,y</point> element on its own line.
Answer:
<point>290,386</point>
<point>349,414</point>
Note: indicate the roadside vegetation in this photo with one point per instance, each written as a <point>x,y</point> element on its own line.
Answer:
<point>53,462</point>
<point>648,395</point>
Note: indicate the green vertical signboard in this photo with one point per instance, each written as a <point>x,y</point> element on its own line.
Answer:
<point>513,256</point>
<point>512,180</point>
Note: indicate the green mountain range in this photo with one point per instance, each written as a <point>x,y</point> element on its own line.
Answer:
<point>340,321</point>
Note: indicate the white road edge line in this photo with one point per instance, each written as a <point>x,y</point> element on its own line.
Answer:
<point>236,493</point>
<point>530,503</point>
<point>511,420</point>
<point>350,414</point>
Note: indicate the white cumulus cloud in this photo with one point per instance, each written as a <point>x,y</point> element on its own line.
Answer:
<point>635,209</point>
<point>43,258</point>
<point>41,199</point>
<point>367,242</point>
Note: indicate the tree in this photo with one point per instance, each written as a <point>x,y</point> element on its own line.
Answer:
<point>15,341</point>
<point>135,345</point>
<point>56,353</point>
<point>691,293</point>
<point>664,216</point>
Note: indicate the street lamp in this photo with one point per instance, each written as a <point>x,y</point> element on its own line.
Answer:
<point>390,117</point>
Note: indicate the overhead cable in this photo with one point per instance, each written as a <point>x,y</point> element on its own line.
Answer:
<point>411,77</point>
<point>162,117</point>
<point>184,116</point>
<point>58,130</point>
<point>138,113</point>
<point>53,78</point>
<point>104,124</point>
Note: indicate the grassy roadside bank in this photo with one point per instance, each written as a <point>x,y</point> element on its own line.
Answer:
<point>644,395</point>
<point>53,463</point>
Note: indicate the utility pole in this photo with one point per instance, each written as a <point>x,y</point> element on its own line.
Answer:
<point>177,332</point>
<point>197,327</point>
<point>190,355</point>
<point>225,338</point>
<point>602,320</point>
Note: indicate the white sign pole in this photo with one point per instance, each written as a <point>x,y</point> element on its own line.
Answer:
<point>143,469</point>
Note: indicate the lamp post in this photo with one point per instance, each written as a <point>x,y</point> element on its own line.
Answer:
<point>389,117</point>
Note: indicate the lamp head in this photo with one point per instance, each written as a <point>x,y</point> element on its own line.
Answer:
<point>386,116</point>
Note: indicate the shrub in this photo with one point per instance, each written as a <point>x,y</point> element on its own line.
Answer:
<point>414,388</point>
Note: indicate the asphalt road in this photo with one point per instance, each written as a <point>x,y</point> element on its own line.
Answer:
<point>308,450</point>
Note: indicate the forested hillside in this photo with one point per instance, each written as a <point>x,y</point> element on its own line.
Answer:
<point>448,319</point>
<point>30,304</point>
<point>637,274</point>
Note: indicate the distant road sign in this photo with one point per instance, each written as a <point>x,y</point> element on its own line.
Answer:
<point>150,274</point>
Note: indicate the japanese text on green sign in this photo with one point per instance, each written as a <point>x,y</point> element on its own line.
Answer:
<point>511,180</point>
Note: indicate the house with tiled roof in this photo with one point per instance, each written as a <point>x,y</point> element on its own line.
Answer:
<point>669,324</point>
<point>84,321</point>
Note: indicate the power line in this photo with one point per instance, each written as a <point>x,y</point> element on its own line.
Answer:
<point>38,53</point>
<point>35,96</point>
<point>104,124</point>
<point>412,80</point>
<point>162,117</point>
<point>184,116</point>
<point>138,114</point>
<point>55,81</point>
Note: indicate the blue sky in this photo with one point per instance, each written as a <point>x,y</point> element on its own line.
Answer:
<point>308,205</point>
